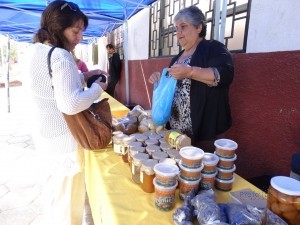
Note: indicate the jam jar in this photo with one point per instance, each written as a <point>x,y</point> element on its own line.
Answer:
<point>136,165</point>
<point>147,175</point>
<point>284,199</point>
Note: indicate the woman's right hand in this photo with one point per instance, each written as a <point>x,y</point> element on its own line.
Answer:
<point>154,77</point>
<point>103,85</point>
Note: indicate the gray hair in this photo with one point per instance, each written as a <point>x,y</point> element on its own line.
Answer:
<point>194,16</point>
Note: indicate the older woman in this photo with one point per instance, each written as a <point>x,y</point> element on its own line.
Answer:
<point>204,72</point>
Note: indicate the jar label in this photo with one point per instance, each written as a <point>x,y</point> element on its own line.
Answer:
<point>141,177</point>
<point>173,137</point>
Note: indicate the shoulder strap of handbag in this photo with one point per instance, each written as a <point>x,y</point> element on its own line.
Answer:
<point>96,116</point>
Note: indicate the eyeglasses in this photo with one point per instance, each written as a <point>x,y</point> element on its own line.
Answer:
<point>71,5</point>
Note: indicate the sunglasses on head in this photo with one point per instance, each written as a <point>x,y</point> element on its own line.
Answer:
<point>71,5</point>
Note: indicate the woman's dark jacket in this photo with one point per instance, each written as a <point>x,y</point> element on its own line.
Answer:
<point>210,110</point>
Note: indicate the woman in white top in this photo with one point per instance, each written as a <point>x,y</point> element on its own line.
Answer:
<point>62,24</point>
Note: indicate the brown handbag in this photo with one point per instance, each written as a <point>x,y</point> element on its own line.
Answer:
<point>91,128</point>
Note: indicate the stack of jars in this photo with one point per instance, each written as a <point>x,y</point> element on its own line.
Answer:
<point>209,171</point>
<point>165,183</point>
<point>225,150</point>
<point>190,169</point>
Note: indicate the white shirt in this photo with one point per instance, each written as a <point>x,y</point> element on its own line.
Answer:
<point>50,131</point>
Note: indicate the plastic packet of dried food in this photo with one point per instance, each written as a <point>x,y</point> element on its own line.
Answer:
<point>182,214</point>
<point>273,219</point>
<point>239,214</point>
<point>206,208</point>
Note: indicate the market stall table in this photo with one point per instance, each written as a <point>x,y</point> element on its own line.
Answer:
<point>116,200</point>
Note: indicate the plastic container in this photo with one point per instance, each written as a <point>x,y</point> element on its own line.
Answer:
<point>191,157</point>
<point>284,199</point>
<point>159,155</point>
<point>136,165</point>
<point>147,175</point>
<point>226,163</point>
<point>224,185</point>
<point>225,147</point>
<point>185,186</point>
<point>207,181</point>
<point>166,174</point>
<point>152,148</point>
<point>190,174</point>
<point>210,162</point>
<point>225,174</point>
<point>164,196</point>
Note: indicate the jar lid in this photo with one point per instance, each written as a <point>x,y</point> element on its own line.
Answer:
<point>162,140</point>
<point>210,159</point>
<point>135,144</point>
<point>151,142</point>
<point>286,185</point>
<point>141,137</point>
<point>154,136</point>
<point>226,144</point>
<point>173,153</point>
<point>233,158</point>
<point>191,152</point>
<point>159,155</point>
<point>165,146</point>
<point>119,137</point>
<point>129,139</point>
<point>227,170</point>
<point>153,148</point>
<point>149,163</point>
<point>162,133</point>
<point>140,156</point>
<point>137,149</point>
<point>168,161</point>
<point>164,169</point>
<point>148,133</point>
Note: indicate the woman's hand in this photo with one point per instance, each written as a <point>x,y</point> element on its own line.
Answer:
<point>180,71</point>
<point>154,77</point>
<point>91,73</point>
<point>103,85</point>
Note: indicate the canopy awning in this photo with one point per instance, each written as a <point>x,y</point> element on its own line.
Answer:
<point>21,18</point>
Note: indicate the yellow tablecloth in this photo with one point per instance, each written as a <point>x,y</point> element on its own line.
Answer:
<point>116,200</point>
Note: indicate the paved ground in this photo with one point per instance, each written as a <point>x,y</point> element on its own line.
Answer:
<point>20,181</point>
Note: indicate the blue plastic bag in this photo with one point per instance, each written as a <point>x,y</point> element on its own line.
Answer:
<point>162,99</point>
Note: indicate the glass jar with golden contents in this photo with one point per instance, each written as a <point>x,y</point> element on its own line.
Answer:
<point>134,150</point>
<point>136,165</point>
<point>284,199</point>
<point>147,175</point>
<point>125,147</point>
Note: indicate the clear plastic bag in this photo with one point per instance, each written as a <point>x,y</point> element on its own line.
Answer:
<point>162,99</point>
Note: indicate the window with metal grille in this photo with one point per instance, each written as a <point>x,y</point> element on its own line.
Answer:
<point>163,40</point>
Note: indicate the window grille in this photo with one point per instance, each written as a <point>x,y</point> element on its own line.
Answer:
<point>116,38</point>
<point>163,40</point>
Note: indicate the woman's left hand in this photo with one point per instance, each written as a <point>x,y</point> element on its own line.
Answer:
<point>180,71</point>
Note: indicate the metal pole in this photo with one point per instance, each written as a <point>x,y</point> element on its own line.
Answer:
<point>7,73</point>
<point>125,45</point>
<point>223,21</point>
<point>217,19</point>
